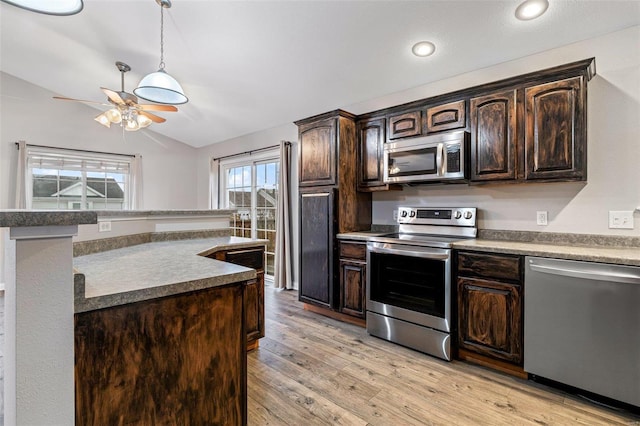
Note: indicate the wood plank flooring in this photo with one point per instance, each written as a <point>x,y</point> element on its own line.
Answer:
<point>313,370</point>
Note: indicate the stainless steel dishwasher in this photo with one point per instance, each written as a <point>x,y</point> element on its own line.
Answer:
<point>582,325</point>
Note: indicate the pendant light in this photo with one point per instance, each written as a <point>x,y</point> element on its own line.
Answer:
<point>59,7</point>
<point>159,86</point>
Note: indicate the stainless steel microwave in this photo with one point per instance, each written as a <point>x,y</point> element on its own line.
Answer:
<point>442,157</point>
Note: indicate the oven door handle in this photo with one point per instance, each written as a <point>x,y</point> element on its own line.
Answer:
<point>425,253</point>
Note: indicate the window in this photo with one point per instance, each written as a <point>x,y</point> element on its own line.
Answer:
<point>70,180</point>
<point>251,187</point>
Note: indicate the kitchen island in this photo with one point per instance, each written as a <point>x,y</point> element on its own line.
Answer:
<point>160,334</point>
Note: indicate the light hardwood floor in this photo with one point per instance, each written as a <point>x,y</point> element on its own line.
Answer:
<point>312,370</point>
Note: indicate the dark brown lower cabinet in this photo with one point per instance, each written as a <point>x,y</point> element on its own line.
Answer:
<point>353,273</point>
<point>177,360</point>
<point>490,291</point>
<point>251,257</point>
<point>317,221</point>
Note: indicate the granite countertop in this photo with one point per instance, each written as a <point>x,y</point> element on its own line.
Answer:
<point>157,269</point>
<point>24,218</point>
<point>172,213</point>
<point>605,254</point>
<point>591,248</point>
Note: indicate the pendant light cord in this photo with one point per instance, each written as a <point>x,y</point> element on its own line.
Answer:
<point>161,67</point>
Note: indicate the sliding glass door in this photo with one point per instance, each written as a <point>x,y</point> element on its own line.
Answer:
<point>251,187</point>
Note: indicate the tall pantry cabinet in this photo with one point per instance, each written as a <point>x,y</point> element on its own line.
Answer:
<point>329,202</point>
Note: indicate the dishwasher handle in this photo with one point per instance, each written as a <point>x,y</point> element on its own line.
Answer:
<point>612,276</point>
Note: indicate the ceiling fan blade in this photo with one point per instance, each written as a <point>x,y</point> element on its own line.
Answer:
<point>153,117</point>
<point>63,98</point>
<point>114,96</point>
<point>151,107</point>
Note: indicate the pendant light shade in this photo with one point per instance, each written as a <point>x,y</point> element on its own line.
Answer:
<point>48,7</point>
<point>160,87</point>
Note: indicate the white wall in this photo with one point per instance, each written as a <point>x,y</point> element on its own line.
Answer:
<point>613,147</point>
<point>28,112</point>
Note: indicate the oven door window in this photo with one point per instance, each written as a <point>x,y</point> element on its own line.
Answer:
<point>415,162</point>
<point>408,282</point>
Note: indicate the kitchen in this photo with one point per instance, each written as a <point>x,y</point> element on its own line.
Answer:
<point>572,207</point>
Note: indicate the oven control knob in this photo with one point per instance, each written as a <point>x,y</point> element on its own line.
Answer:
<point>412,213</point>
<point>467,215</point>
<point>457,214</point>
<point>403,213</point>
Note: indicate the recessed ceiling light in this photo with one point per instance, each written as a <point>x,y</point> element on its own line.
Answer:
<point>58,7</point>
<point>423,48</point>
<point>531,9</point>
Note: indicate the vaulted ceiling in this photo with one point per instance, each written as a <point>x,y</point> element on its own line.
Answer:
<point>252,65</point>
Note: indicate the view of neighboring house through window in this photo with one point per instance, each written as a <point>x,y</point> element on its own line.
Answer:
<point>252,189</point>
<point>66,180</point>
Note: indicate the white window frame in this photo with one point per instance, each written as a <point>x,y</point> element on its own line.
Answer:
<point>84,157</point>
<point>266,156</point>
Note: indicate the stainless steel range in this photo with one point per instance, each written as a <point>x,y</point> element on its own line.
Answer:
<point>409,278</point>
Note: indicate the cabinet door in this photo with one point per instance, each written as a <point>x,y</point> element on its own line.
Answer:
<point>318,153</point>
<point>493,136</point>
<point>371,138</point>
<point>405,125</point>
<point>446,117</point>
<point>555,130</point>
<point>352,287</point>
<point>254,308</point>
<point>490,318</point>
<point>317,245</point>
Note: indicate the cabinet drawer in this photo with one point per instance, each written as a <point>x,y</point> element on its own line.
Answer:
<point>251,258</point>
<point>495,266</point>
<point>446,117</point>
<point>405,125</point>
<point>353,250</point>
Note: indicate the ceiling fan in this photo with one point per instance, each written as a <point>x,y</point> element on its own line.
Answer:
<point>126,110</point>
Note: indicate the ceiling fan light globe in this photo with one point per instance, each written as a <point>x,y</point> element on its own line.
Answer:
<point>161,88</point>
<point>144,121</point>
<point>103,119</point>
<point>114,116</point>
<point>131,125</point>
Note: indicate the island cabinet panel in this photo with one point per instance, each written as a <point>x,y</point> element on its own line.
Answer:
<point>490,300</point>
<point>353,273</point>
<point>175,360</point>
<point>555,133</point>
<point>493,136</point>
<point>251,257</point>
<point>317,145</point>
<point>446,117</point>
<point>317,220</point>
<point>371,139</point>
<point>404,125</point>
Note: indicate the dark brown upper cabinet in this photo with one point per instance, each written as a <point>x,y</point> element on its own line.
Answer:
<point>555,130</point>
<point>371,139</point>
<point>446,117</point>
<point>493,136</point>
<point>318,153</point>
<point>404,125</point>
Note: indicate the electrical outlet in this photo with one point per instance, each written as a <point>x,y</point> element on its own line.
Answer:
<point>541,218</point>
<point>395,215</point>
<point>104,226</point>
<point>621,219</point>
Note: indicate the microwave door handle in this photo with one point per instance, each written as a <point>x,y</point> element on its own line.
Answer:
<point>440,159</point>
